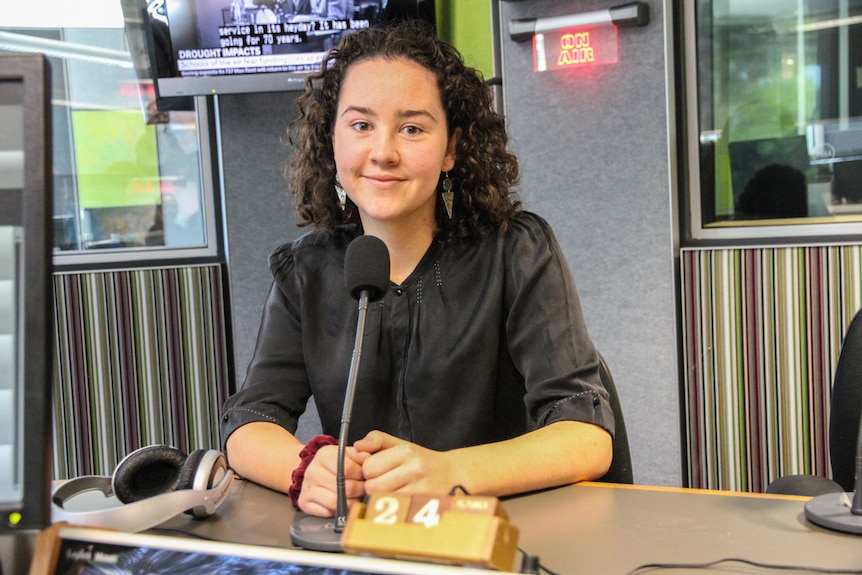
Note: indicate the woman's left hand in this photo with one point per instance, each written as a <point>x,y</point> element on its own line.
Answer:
<point>396,465</point>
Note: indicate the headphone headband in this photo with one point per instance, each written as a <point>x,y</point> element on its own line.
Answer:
<point>140,515</point>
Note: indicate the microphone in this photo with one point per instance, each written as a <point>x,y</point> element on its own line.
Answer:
<point>840,511</point>
<point>366,276</point>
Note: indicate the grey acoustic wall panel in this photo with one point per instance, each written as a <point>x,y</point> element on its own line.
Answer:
<point>593,146</point>
<point>259,212</point>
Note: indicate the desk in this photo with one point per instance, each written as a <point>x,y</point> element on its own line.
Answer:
<point>604,529</point>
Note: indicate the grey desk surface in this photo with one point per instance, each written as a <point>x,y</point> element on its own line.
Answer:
<point>605,529</point>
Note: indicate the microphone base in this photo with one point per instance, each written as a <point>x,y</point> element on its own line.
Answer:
<point>832,511</point>
<point>316,534</point>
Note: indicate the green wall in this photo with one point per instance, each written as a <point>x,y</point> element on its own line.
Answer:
<point>467,24</point>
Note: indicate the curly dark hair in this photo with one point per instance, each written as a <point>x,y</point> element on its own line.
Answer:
<point>485,171</point>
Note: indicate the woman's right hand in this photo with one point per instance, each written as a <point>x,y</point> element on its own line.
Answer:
<point>318,495</point>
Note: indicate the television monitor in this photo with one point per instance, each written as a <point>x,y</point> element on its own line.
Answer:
<point>142,42</point>
<point>26,301</point>
<point>210,47</point>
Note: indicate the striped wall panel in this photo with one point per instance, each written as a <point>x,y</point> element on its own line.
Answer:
<point>140,358</point>
<point>762,331</point>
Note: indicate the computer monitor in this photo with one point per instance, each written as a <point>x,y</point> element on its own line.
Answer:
<point>65,549</point>
<point>747,157</point>
<point>25,292</point>
<point>769,176</point>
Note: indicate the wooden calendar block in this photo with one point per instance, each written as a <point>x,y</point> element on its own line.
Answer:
<point>387,508</point>
<point>458,530</point>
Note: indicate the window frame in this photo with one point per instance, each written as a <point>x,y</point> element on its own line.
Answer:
<point>695,231</point>
<point>142,257</point>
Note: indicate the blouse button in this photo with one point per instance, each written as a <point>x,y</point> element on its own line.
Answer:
<point>399,291</point>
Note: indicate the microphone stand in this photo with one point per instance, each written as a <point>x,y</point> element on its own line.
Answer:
<point>352,376</point>
<point>840,511</point>
<point>324,533</point>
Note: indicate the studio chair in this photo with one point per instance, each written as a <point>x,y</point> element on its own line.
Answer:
<point>621,466</point>
<point>845,409</point>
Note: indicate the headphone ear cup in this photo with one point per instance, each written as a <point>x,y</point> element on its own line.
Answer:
<point>203,469</point>
<point>147,472</point>
<point>190,469</point>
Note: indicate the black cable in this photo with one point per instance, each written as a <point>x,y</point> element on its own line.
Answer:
<point>531,565</point>
<point>546,570</point>
<point>459,487</point>
<point>758,564</point>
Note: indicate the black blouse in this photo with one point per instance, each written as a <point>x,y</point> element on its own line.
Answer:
<point>482,343</point>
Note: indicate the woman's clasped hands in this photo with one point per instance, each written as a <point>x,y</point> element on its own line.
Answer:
<point>377,463</point>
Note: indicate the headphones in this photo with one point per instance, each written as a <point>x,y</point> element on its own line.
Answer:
<point>152,484</point>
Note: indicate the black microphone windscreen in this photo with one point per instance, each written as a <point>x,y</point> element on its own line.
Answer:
<point>366,267</point>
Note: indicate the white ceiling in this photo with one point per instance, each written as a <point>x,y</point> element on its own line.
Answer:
<point>61,14</point>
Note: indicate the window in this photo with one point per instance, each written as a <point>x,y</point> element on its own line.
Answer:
<point>129,180</point>
<point>775,135</point>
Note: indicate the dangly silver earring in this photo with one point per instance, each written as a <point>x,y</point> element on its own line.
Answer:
<point>448,194</point>
<point>342,195</point>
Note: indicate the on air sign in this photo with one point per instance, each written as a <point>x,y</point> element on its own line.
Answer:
<point>575,48</point>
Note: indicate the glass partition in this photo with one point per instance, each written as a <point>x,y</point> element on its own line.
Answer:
<point>774,93</point>
<point>131,179</point>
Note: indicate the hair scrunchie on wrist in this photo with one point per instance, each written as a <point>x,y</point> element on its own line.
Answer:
<point>305,456</point>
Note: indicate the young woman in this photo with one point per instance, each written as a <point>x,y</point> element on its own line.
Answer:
<point>477,368</point>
